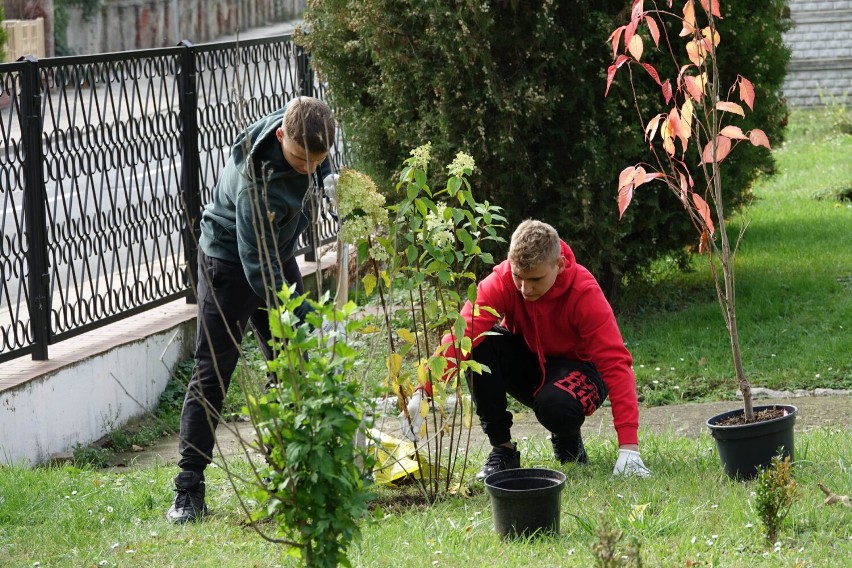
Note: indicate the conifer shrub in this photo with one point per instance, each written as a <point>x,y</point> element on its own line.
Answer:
<point>519,85</point>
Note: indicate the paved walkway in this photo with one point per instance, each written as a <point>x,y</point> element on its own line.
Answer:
<point>815,412</point>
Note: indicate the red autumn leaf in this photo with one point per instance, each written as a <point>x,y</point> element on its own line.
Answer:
<point>688,19</point>
<point>730,107</point>
<point>614,39</point>
<point>610,72</point>
<point>703,211</point>
<point>703,243</point>
<point>636,47</point>
<point>651,176</point>
<point>629,179</point>
<point>696,52</point>
<point>713,7</point>
<point>636,12</point>
<point>629,32</point>
<point>693,87</point>
<point>667,91</point>
<point>651,128</point>
<point>758,138</point>
<point>746,91</point>
<point>654,29</point>
<point>723,148</point>
<point>625,189</point>
<point>684,191</point>
<point>652,72</point>
<point>610,75</point>
<point>733,132</point>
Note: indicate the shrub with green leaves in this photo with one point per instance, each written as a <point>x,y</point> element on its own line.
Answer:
<point>520,84</point>
<point>775,495</point>
<point>423,254</point>
<point>314,486</point>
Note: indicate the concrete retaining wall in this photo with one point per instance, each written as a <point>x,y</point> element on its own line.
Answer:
<point>86,391</point>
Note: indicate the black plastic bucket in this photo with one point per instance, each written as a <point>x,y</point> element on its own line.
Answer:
<point>525,501</point>
<point>746,448</point>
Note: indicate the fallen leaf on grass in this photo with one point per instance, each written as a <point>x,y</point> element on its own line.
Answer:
<point>833,498</point>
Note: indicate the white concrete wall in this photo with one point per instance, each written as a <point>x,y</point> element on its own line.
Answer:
<point>85,400</point>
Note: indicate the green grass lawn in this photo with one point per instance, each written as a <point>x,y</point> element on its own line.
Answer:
<point>794,287</point>
<point>688,514</point>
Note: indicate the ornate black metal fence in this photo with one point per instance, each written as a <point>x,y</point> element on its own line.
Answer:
<point>105,163</point>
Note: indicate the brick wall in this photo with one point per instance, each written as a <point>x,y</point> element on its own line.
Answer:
<point>821,43</point>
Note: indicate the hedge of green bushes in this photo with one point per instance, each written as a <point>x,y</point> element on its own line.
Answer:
<point>520,85</point>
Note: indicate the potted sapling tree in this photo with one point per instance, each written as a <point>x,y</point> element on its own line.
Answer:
<point>698,127</point>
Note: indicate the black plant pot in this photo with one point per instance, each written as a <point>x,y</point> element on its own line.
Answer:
<point>745,448</point>
<point>525,501</point>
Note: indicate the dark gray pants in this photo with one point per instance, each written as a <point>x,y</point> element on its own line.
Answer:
<point>226,305</point>
<point>571,391</point>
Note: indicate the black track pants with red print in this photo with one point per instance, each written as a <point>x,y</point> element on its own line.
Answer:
<point>572,390</point>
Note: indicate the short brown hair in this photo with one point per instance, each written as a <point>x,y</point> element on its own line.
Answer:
<point>534,243</point>
<point>310,123</point>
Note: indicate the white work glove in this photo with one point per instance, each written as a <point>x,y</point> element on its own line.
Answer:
<point>411,424</point>
<point>333,331</point>
<point>329,184</point>
<point>629,462</point>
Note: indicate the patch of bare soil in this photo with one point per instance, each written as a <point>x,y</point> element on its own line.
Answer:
<point>760,416</point>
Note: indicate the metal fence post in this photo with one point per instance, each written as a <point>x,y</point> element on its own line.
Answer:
<point>306,89</point>
<point>190,164</point>
<point>35,198</point>
<point>305,72</point>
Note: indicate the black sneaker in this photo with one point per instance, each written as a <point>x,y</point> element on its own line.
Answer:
<point>189,499</point>
<point>569,448</point>
<point>499,459</point>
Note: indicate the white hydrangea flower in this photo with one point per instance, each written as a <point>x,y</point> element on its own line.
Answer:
<point>461,165</point>
<point>420,156</point>
<point>360,206</point>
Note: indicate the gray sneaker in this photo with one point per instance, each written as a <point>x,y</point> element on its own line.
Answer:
<point>189,499</point>
<point>499,459</point>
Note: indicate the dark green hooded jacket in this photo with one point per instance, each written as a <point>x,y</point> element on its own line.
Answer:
<point>256,214</point>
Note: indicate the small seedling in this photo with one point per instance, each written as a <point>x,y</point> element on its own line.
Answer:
<point>776,492</point>
<point>607,550</point>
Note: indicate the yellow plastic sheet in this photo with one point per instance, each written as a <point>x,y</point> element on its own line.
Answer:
<point>398,460</point>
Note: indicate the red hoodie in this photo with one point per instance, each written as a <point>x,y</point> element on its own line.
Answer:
<point>572,320</point>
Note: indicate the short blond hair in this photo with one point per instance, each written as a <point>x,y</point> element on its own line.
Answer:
<point>310,123</point>
<point>534,243</point>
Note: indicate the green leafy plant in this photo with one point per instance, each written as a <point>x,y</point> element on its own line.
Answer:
<point>835,108</point>
<point>610,551</point>
<point>314,484</point>
<point>775,495</point>
<point>422,268</point>
<point>693,128</point>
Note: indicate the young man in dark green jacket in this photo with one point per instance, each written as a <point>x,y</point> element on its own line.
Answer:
<point>245,255</point>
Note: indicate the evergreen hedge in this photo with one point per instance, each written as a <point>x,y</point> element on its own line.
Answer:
<point>520,86</point>
<point>2,38</point>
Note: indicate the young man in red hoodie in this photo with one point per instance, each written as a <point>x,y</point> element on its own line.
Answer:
<point>556,349</point>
